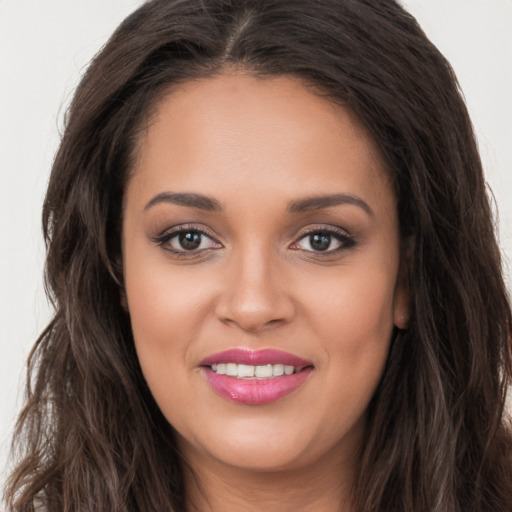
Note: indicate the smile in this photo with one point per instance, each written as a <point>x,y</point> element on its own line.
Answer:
<point>255,377</point>
<point>248,371</point>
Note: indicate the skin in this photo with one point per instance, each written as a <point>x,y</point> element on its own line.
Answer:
<point>255,146</point>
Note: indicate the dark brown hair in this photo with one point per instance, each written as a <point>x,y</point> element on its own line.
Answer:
<point>91,436</point>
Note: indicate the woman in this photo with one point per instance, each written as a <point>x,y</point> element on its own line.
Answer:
<point>275,274</point>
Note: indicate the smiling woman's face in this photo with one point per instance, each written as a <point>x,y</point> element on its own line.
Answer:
<point>260,238</point>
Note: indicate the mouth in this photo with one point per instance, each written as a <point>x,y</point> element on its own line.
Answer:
<point>255,377</point>
<point>249,371</point>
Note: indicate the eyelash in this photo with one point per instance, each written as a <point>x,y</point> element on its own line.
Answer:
<point>164,239</point>
<point>346,241</point>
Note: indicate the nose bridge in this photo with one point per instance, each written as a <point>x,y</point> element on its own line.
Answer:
<point>254,296</point>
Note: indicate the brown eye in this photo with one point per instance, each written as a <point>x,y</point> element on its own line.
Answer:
<point>320,241</point>
<point>190,240</point>
<point>186,240</point>
<point>324,241</point>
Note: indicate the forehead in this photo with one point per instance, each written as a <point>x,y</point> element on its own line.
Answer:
<point>255,133</point>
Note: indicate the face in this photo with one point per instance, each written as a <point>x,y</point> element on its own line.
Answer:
<point>261,259</point>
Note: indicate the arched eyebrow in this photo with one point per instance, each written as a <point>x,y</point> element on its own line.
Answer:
<point>312,203</point>
<point>186,199</point>
<point>307,204</point>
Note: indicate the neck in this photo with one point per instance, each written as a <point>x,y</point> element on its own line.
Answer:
<point>324,485</point>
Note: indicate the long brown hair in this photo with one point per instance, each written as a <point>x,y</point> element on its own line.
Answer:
<point>91,437</point>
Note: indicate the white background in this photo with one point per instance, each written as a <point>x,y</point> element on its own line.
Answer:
<point>44,48</point>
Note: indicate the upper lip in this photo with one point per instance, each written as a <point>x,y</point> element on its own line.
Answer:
<point>256,358</point>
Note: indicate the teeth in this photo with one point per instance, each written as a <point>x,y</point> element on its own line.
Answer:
<point>246,370</point>
<point>221,368</point>
<point>249,371</point>
<point>263,371</point>
<point>278,370</point>
<point>232,369</point>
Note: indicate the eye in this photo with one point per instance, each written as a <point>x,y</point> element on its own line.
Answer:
<point>186,240</point>
<point>323,241</point>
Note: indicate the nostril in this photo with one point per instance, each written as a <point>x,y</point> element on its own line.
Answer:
<point>252,320</point>
<point>252,297</point>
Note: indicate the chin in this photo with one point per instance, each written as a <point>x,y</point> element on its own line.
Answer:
<point>263,445</point>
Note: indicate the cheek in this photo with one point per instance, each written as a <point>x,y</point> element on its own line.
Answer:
<point>354,303</point>
<point>165,310</point>
<point>353,318</point>
<point>163,304</point>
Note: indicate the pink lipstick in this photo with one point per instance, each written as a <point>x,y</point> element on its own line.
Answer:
<point>255,377</point>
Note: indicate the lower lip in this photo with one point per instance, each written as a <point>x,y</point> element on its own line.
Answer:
<point>256,391</point>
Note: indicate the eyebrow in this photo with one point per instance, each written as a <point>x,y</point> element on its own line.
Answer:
<point>325,201</point>
<point>186,199</point>
<point>306,204</point>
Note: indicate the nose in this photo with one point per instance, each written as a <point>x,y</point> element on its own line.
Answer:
<point>255,295</point>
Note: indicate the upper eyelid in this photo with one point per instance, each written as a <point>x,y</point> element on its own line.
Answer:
<point>344,237</point>
<point>322,228</point>
<point>163,240</point>
<point>303,232</point>
<point>180,228</point>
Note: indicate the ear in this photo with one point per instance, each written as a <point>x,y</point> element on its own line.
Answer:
<point>402,297</point>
